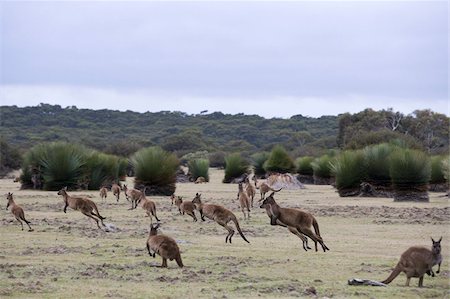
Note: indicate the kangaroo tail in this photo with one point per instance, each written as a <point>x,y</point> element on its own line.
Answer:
<point>179,261</point>
<point>274,190</point>
<point>239,229</point>
<point>393,275</point>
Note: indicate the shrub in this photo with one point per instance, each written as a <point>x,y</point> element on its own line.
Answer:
<point>279,161</point>
<point>304,166</point>
<point>102,169</point>
<point>410,171</point>
<point>349,172</point>
<point>258,160</point>
<point>322,167</point>
<point>235,166</point>
<point>376,161</point>
<point>10,157</point>
<point>155,169</point>
<point>198,168</point>
<point>217,159</point>
<point>437,170</point>
<point>446,168</point>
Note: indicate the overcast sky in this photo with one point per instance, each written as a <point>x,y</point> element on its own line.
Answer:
<point>275,59</point>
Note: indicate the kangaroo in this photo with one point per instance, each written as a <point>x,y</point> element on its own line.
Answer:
<point>164,246</point>
<point>250,190</point>
<point>300,220</point>
<point>416,261</point>
<point>244,201</point>
<point>263,188</point>
<point>84,205</point>
<point>220,215</point>
<point>290,228</point>
<point>185,207</point>
<point>115,188</point>
<point>103,192</point>
<point>18,212</point>
<point>149,206</point>
<point>200,180</point>
<point>132,195</point>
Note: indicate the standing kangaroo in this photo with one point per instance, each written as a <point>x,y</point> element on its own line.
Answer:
<point>250,189</point>
<point>84,205</point>
<point>416,261</point>
<point>290,228</point>
<point>220,215</point>
<point>164,246</point>
<point>17,211</point>
<point>103,192</point>
<point>300,220</point>
<point>115,188</point>
<point>133,195</point>
<point>244,201</point>
<point>263,188</point>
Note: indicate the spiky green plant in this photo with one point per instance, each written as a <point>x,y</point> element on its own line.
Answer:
<point>101,169</point>
<point>155,169</point>
<point>322,167</point>
<point>199,168</point>
<point>349,172</point>
<point>377,163</point>
<point>61,164</point>
<point>279,161</point>
<point>437,170</point>
<point>446,168</point>
<point>235,166</point>
<point>258,160</point>
<point>410,171</point>
<point>304,166</point>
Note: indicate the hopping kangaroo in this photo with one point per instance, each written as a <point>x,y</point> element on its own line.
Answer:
<point>164,246</point>
<point>244,201</point>
<point>149,206</point>
<point>84,205</point>
<point>263,188</point>
<point>290,228</point>
<point>132,195</point>
<point>115,188</point>
<point>220,215</point>
<point>300,220</point>
<point>103,192</point>
<point>416,261</point>
<point>200,180</point>
<point>17,211</point>
<point>185,206</point>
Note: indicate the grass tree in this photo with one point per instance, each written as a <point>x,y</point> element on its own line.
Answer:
<point>410,171</point>
<point>438,182</point>
<point>199,168</point>
<point>155,169</point>
<point>103,169</point>
<point>279,161</point>
<point>235,167</point>
<point>322,170</point>
<point>349,172</point>
<point>304,169</point>
<point>258,160</point>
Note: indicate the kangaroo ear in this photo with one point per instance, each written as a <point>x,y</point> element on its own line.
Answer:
<point>272,194</point>
<point>432,240</point>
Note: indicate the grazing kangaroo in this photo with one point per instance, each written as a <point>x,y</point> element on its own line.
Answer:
<point>263,188</point>
<point>115,188</point>
<point>17,211</point>
<point>416,261</point>
<point>220,215</point>
<point>164,246</point>
<point>300,220</point>
<point>200,180</point>
<point>185,207</point>
<point>103,192</point>
<point>132,195</point>
<point>290,228</point>
<point>84,205</point>
<point>244,201</point>
<point>250,189</point>
<point>149,206</point>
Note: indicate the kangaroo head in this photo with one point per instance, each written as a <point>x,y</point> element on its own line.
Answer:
<point>62,191</point>
<point>197,198</point>
<point>240,187</point>
<point>268,201</point>
<point>436,248</point>
<point>154,229</point>
<point>9,197</point>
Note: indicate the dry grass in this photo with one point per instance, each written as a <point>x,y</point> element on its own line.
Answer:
<point>67,256</point>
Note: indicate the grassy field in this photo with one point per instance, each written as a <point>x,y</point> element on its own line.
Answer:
<point>67,256</point>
